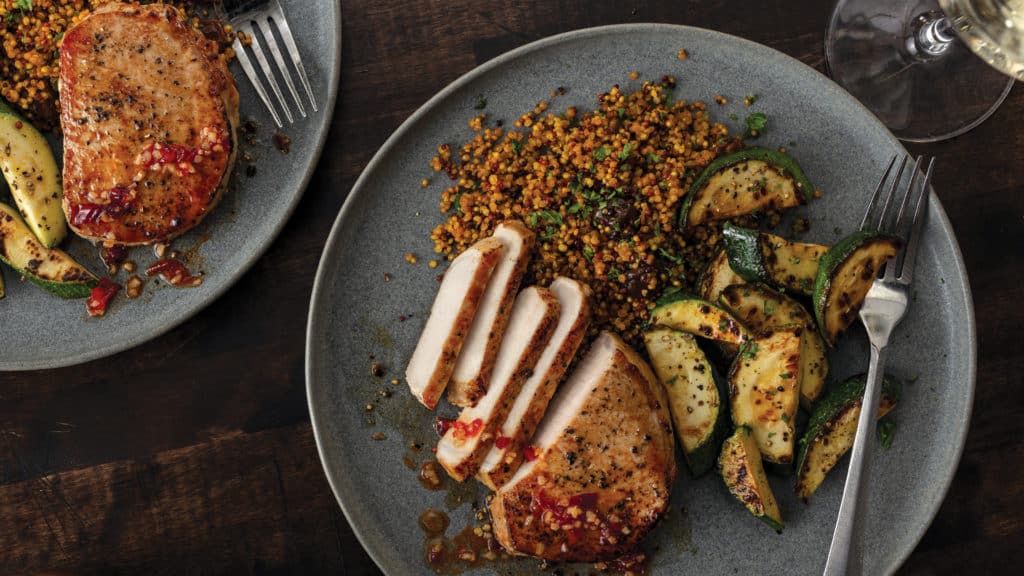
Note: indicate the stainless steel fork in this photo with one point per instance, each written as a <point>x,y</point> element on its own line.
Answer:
<point>885,305</point>
<point>266,16</point>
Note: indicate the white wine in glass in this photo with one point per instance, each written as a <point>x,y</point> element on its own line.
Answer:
<point>905,60</point>
<point>993,29</point>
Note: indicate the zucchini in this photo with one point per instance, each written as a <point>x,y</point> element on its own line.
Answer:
<point>695,401</point>
<point>764,388</point>
<point>844,276</point>
<point>762,257</point>
<point>716,276</point>
<point>30,169</point>
<point>761,308</point>
<point>700,318</point>
<point>741,469</point>
<point>49,268</point>
<point>743,182</point>
<point>833,427</point>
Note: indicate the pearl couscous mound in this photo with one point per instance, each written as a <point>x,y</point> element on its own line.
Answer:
<point>602,191</point>
<point>31,31</point>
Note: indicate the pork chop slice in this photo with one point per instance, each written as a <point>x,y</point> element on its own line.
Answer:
<point>506,454</point>
<point>604,468</point>
<point>474,364</point>
<point>532,321</point>
<point>452,312</point>
<point>148,110</point>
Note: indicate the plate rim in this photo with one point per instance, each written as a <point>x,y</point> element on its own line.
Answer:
<point>333,83</point>
<point>331,247</point>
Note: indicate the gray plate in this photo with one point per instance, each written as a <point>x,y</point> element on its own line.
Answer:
<point>42,331</point>
<point>843,149</point>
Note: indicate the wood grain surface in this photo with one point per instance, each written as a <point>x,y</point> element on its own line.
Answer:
<point>193,454</point>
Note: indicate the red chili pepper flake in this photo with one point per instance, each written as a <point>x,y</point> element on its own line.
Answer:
<point>119,202</point>
<point>401,318</point>
<point>442,424</point>
<point>502,442</point>
<point>531,453</point>
<point>174,273</point>
<point>115,255</point>
<point>464,431</point>
<point>101,297</point>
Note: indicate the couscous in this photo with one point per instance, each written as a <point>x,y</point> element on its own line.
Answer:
<point>602,191</point>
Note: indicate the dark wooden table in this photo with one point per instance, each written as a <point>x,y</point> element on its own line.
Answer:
<point>194,454</point>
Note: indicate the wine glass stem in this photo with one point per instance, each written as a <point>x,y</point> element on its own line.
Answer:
<point>933,36</point>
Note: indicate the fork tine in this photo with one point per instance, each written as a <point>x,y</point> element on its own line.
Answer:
<point>277,14</point>
<point>884,214</point>
<point>916,225</point>
<point>269,73</point>
<point>246,64</point>
<point>268,35</point>
<point>878,191</point>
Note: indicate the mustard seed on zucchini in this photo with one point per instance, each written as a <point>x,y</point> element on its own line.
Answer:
<point>764,389</point>
<point>694,399</point>
<point>741,469</point>
<point>30,169</point>
<point>49,268</point>
<point>761,308</point>
<point>762,257</point>
<point>832,428</point>
<point>844,276</point>
<point>744,182</point>
<point>700,318</point>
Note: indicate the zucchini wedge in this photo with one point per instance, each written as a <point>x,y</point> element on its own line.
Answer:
<point>51,269</point>
<point>832,428</point>
<point>700,318</point>
<point>30,169</point>
<point>844,276</point>
<point>741,469</point>
<point>764,389</point>
<point>694,399</point>
<point>716,276</point>
<point>761,308</point>
<point>743,182</point>
<point>762,257</point>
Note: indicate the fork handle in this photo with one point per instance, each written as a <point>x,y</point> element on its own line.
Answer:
<point>843,559</point>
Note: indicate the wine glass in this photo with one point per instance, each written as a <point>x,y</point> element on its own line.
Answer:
<point>928,74</point>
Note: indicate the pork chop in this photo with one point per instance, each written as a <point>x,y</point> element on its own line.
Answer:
<point>515,432</point>
<point>456,302</point>
<point>473,367</point>
<point>533,319</point>
<point>604,464</point>
<point>148,111</point>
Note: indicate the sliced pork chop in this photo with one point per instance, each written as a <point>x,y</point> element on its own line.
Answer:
<point>473,367</point>
<point>148,111</point>
<point>532,321</point>
<point>505,456</point>
<point>456,302</point>
<point>605,464</point>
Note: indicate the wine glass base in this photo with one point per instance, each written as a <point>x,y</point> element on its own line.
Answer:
<point>870,51</point>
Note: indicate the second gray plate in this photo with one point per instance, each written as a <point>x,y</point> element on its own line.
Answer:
<point>42,331</point>
<point>355,317</point>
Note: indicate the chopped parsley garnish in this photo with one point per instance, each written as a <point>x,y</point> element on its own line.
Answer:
<point>757,123</point>
<point>551,216</point>
<point>733,117</point>
<point>601,153</point>
<point>23,4</point>
<point>653,158</point>
<point>613,274</point>
<point>481,101</point>
<point>748,351</point>
<point>517,145</point>
<point>588,252</point>
<point>785,418</point>
<point>666,254</point>
<point>785,375</point>
<point>768,307</point>
<point>621,112</point>
<point>625,151</point>
<point>886,430</point>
